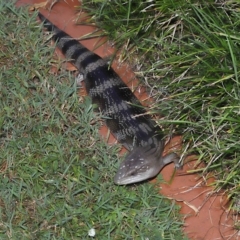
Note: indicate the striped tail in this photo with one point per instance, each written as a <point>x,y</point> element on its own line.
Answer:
<point>74,51</point>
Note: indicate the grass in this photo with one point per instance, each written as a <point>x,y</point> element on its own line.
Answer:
<point>56,172</point>
<point>188,53</point>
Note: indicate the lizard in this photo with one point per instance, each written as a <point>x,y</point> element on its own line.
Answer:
<point>123,113</point>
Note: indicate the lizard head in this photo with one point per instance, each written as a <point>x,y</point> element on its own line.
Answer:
<point>140,164</point>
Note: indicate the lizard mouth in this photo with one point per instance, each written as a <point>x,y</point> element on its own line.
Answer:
<point>138,174</point>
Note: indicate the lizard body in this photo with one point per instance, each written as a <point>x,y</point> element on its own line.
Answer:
<point>123,113</point>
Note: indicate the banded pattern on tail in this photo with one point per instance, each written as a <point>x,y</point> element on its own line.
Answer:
<point>125,117</point>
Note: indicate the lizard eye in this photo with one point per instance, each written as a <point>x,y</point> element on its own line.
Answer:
<point>133,173</point>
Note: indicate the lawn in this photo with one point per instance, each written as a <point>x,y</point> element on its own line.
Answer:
<point>56,172</point>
